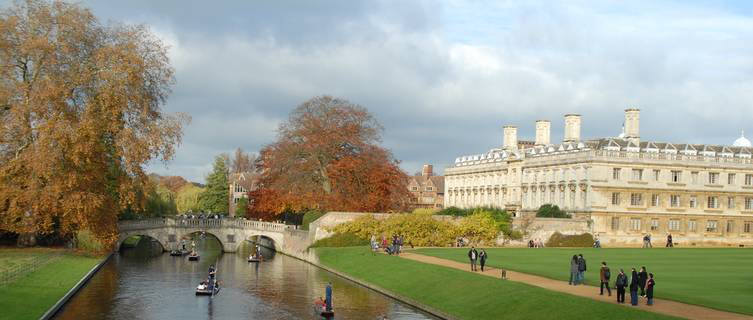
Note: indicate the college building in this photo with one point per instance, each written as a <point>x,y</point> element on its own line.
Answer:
<point>426,189</point>
<point>622,187</point>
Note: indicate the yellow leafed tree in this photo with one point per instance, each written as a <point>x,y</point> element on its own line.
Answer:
<point>80,115</point>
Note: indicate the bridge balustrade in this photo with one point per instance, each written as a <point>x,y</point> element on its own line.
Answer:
<point>200,224</point>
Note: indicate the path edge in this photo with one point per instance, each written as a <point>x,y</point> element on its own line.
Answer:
<point>72,292</point>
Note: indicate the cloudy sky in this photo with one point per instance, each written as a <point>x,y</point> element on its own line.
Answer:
<point>443,77</point>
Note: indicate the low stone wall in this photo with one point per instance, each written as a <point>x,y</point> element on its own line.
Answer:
<point>543,228</point>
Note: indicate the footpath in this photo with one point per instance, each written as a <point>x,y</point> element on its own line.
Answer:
<point>667,307</point>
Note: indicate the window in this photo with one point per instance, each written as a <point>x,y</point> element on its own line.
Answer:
<point>713,177</point>
<point>637,174</point>
<point>731,178</point>
<point>654,200</point>
<point>691,226</point>
<point>674,201</point>
<point>730,226</point>
<point>747,226</point>
<point>693,202</point>
<point>615,223</point>
<point>656,175</point>
<point>694,177</point>
<point>711,226</point>
<point>713,203</point>
<point>616,174</point>
<point>235,200</point>
<point>615,198</point>
<point>635,199</point>
<point>731,202</point>
<point>429,188</point>
<point>654,224</point>
<point>748,179</point>
<point>413,188</point>
<point>748,203</point>
<point>676,175</point>
<point>635,224</point>
<point>674,225</point>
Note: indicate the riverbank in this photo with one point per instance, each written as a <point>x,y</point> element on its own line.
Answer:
<point>51,274</point>
<point>465,295</point>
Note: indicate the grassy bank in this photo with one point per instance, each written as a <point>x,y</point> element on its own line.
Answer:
<point>467,295</point>
<point>715,278</point>
<point>32,294</point>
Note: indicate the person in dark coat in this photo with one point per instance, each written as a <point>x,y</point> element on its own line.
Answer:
<point>473,255</point>
<point>621,283</point>
<point>581,269</point>
<point>669,241</point>
<point>604,275</point>
<point>650,289</point>
<point>634,287</point>
<point>642,278</point>
<point>574,271</point>
<point>482,259</point>
<point>328,297</point>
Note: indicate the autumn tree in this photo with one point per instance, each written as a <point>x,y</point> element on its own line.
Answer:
<point>80,116</point>
<point>327,157</point>
<point>187,198</point>
<point>216,195</point>
<point>242,161</point>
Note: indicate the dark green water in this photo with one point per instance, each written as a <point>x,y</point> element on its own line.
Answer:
<point>143,283</point>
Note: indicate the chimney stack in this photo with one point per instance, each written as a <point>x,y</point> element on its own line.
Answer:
<point>510,138</point>
<point>572,128</point>
<point>543,132</point>
<point>632,125</point>
<point>427,170</point>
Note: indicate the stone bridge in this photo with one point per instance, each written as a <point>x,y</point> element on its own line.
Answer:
<point>230,232</point>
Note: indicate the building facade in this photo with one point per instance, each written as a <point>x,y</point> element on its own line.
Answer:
<point>626,187</point>
<point>239,187</point>
<point>427,190</point>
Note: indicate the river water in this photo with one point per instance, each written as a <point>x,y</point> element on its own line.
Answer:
<point>143,283</point>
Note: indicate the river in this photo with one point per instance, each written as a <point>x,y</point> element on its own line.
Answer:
<point>144,283</point>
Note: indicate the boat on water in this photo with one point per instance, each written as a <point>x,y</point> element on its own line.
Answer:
<point>193,256</point>
<point>255,258</point>
<point>204,289</point>
<point>178,253</point>
<point>328,314</point>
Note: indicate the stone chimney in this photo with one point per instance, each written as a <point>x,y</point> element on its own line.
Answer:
<point>510,138</point>
<point>543,132</point>
<point>632,125</point>
<point>572,128</point>
<point>427,170</point>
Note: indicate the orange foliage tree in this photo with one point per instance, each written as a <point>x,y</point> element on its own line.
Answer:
<point>326,157</point>
<point>80,115</point>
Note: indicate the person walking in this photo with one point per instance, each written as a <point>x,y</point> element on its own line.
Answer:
<point>581,269</point>
<point>669,240</point>
<point>633,287</point>
<point>650,289</point>
<point>574,271</point>
<point>648,236</point>
<point>642,278</point>
<point>482,259</point>
<point>621,283</point>
<point>645,241</point>
<point>473,255</point>
<point>604,275</point>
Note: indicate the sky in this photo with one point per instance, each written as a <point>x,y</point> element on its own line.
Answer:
<point>444,77</point>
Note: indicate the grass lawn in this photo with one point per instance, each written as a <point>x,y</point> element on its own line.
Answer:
<point>715,278</point>
<point>467,295</point>
<point>29,296</point>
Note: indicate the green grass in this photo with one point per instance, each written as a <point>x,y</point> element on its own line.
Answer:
<point>467,295</point>
<point>131,241</point>
<point>715,278</point>
<point>31,295</point>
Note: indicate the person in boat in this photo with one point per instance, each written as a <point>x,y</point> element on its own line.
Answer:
<point>183,244</point>
<point>193,245</point>
<point>212,272</point>
<point>320,304</point>
<point>328,295</point>
<point>202,285</point>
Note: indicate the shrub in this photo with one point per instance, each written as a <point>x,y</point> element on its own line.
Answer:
<point>560,240</point>
<point>551,211</point>
<point>453,211</point>
<point>86,241</point>
<point>309,217</point>
<point>337,240</point>
<point>424,211</point>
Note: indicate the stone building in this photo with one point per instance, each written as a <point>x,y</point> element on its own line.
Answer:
<point>624,186</point>
<point>239,186</point>
<point>427,190</point>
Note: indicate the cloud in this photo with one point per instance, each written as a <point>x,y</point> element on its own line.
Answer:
<point>444,77</point>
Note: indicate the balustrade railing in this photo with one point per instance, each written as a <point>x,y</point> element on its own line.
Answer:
<point>200,223</point>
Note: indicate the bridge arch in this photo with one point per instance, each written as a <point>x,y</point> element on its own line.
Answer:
<point>142,233</point>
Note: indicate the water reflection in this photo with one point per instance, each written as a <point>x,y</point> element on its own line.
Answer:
<point>143,283</point>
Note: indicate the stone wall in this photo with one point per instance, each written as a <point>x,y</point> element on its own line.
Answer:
<point>543,228</point>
